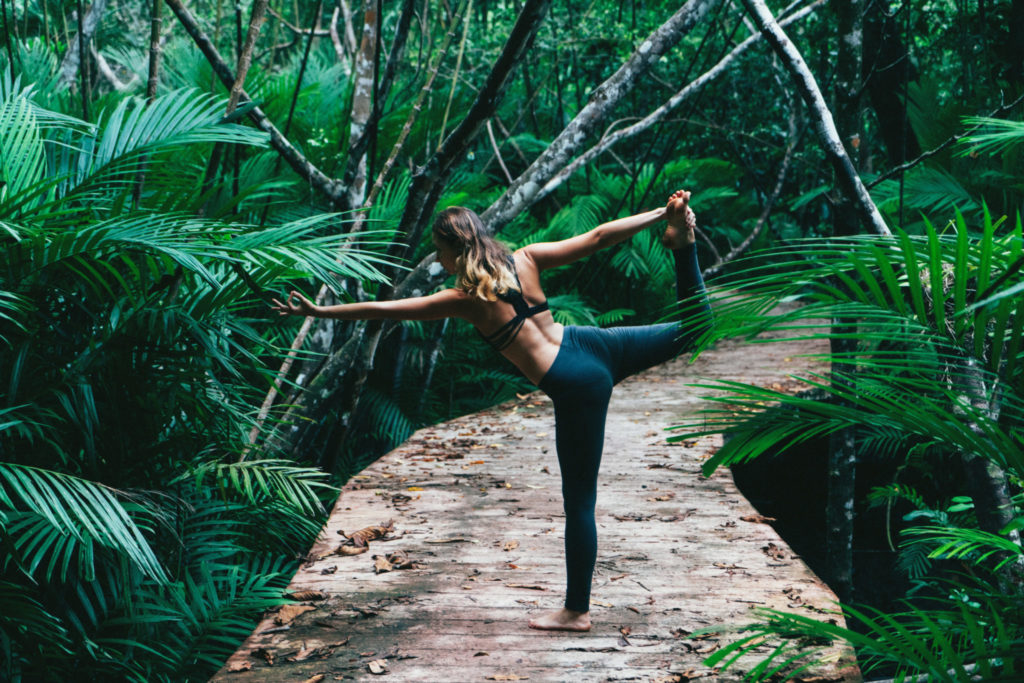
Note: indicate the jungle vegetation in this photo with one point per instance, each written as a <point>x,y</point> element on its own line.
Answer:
<point>167,448</point>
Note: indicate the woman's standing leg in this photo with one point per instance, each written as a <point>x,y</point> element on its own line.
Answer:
<point>580,386</point>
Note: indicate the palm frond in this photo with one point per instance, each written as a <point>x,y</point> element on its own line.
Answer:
<point>83,510</point>
<point>259,481</point>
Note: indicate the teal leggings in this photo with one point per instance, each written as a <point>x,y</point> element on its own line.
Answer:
<point>590,362</point>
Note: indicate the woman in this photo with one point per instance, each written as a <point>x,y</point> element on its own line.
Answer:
<point>499,293</point>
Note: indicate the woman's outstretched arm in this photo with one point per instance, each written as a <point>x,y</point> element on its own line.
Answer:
<point>449,303</point>
<point>554,254</point>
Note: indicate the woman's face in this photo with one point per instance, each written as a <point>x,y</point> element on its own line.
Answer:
<point>446,254</point>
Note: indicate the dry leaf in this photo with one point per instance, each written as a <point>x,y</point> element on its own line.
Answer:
<point>381,564</point>
<point>663,497</point>
<point>482,654</point>
<point>455,539</point>
<point>528,586</point>
<point>288,613</point>
<point>414,488</point>
<point>399,560</point>
<point>371,533</point>
<point>237,667</point>
<point>350,550</point>
<point>510,545</point>
<point>601,603</point>
<point>378,666</point>
<point>315,679</point>
<point>307,596</point>
<point>264,654</point>
<point>757,519</point>
<point>507,677</point>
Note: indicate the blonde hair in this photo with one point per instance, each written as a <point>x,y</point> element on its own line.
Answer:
<point>484,265</point>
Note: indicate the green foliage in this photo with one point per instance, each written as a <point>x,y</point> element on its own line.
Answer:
<point>135,537</point>
<point>935,368</point>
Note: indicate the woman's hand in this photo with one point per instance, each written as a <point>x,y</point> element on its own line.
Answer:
<point>297,304</point>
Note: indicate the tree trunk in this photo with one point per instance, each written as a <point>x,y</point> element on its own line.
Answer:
<point>155,22</point>
<point>985,481</point>
<point>259,11</point>
<point>842,456</point>
<point>69,67</point>
<point>362,101</point>
<point>846,174</point>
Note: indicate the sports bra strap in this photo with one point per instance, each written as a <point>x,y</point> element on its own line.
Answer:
<point>504,335</point>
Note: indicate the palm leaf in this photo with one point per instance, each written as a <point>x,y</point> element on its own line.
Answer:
<point>86,511</point>
<point>259,481</point>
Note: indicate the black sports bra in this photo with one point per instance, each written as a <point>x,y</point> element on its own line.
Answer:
<point>504,335</point>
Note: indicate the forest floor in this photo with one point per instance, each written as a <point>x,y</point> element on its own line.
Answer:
<point>476,517</point>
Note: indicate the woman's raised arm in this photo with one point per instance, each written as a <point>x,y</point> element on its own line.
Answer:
<point>449,303</point>
<point>554,254</point>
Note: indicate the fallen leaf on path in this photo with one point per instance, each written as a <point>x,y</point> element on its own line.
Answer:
<point>507,677</point>
<point>528,586</point>
<point>663,497</point>
<point>315,679</point>
<point>307,596</point>
<point>510,545</point>
<point>237,667</point>
<point>757,519</point>
<point>371,533</point>
<point>601,603</point>
<point>413,488</point>
<point>264,654</point>
<point>454,539</point>
<point>378,666</point>
<point>773,551</point>
<point>395,560</point>
<point>482,654</point>
<point>351,550</point>
<point>288,613</point>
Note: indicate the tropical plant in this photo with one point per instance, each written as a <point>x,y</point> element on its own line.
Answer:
<point>133,332</point>
<point>935,369</point>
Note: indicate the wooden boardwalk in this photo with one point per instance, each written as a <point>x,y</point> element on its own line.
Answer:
<point>476,510</point>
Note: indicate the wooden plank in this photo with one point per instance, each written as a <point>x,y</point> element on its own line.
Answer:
<point>476,503</point>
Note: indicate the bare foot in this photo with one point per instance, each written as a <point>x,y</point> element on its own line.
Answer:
<point>681,221</point>
<point>562,620</point>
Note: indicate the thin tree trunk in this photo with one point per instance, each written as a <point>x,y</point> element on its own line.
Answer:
<point>155,22</point>
<point>358,147</point>
<point>259,12</point>
<point>522,193</point>
<point>350,34</point>
<point>842,457</point>
<point>69,68</point>
<point>807,86</point>
<point>7,37</point>
<point>339,47</point>
<point>985,481</point>
<point>362,100</point>
<point>305,169</point>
